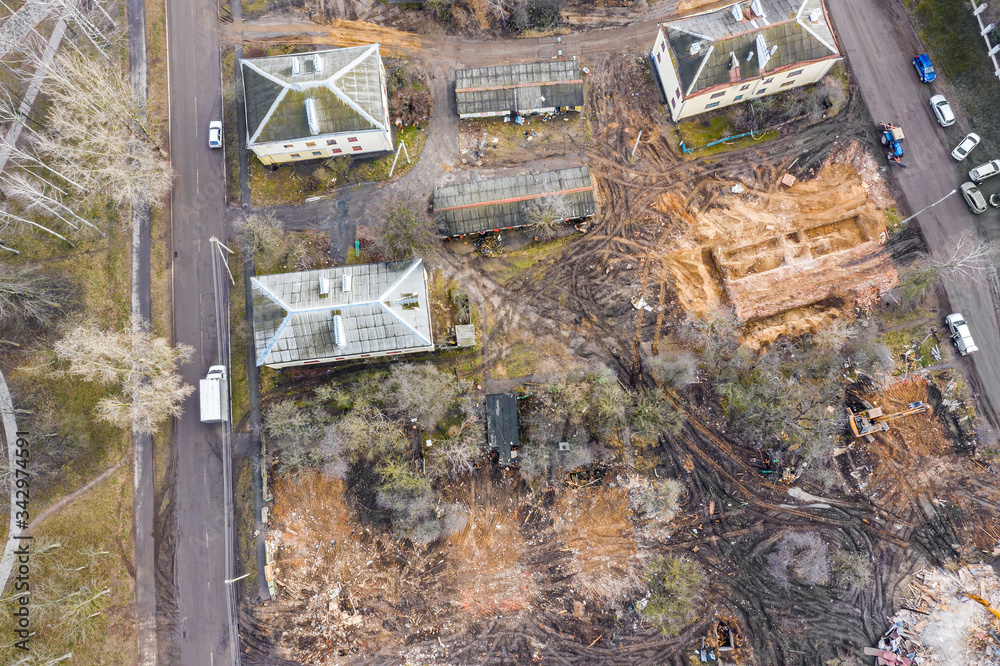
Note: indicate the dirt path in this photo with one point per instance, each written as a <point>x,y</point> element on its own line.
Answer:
<point>76,494</point>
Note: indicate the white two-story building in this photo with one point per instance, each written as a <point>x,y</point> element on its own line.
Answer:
<point>316,105</point>
<point>748,50</point>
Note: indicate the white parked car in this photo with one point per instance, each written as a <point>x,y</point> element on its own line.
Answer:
<point>963,149</point>
<point>942,110</point>
<point>984,171</point>
<point>215,134</point>
<point>960,333</point>
<point>974,198</point>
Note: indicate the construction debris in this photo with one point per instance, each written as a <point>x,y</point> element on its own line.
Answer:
<point>950,618</point>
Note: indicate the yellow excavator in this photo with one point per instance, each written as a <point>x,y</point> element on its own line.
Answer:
<point>871,419</point>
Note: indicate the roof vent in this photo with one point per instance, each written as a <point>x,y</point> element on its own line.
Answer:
<point>756,9</point>
<point>317,64</point>
<point>737,12</point>
<point>564,446</point>
<point>339,338</point>
<point>347,282</point>
<point>324,287</point>
<point>408,301</point>
<point>815,15</point>
<point>695,49</point>
<point>311,116</point>
<point>296,67</point>
<point>763,54</point>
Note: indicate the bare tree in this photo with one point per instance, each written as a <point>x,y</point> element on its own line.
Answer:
<point>29,297</point>
<point>421,392</point>
<point>403,229</point>
<point>140,368</point>
<point>548,214</point>
<point>99,133</point>
<point>264,238</point>
<point>967,258</point>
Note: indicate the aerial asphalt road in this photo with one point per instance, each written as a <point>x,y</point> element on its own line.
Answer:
<point>198,212</point>
<point>880,46</point>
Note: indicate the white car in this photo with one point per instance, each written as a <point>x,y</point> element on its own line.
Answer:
<point>963,149</point>
<point>984,171</point>
<point>215,134</point>
<point>973,197</point>
<point>960,333</point>
<point>943,111</point>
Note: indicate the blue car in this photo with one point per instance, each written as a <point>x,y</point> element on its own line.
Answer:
<point>924,68</point>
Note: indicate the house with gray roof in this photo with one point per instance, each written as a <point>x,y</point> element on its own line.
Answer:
<point>750,49</point>
<point>317,105</point>
<point>335,314</point>
<point>483,206</point>
<point>538,87</point>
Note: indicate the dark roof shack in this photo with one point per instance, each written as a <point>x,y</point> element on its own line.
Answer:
<point>504,203</point>
<point>501,424</point>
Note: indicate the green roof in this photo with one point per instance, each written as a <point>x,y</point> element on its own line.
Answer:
<point>346,85</point>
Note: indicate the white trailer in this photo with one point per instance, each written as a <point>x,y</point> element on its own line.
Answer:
<point>214,393</point>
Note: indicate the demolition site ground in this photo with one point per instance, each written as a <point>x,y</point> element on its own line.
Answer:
<point>558,574</point>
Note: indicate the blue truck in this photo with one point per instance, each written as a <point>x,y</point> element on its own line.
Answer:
<point>892,138</point>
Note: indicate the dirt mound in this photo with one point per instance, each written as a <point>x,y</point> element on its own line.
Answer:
<point>769,253</point>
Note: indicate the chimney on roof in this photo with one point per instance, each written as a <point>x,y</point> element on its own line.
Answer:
<point>815,15</point>
<point>734,68</point>
<point>346,281</point>
<point>737,12</point>
<point>311,118</point>
<point>756,10</point>
<point>296,67</point>
<point>695,48</point>
<point>339,337</point>
<point>324,287</point>
<point>317,64</point>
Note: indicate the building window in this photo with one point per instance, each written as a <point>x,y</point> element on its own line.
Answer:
<point>712,105</point>
<point>296,155</point>
<point>337,150</point>
<point>673,103</point>
<point>769,80</point>
<point>718,95</point>
<point>357,148</point>
<point>737,98</point>
<point>744,87</point>
<point>310,144</point>
<point>658,58</point>
<point>761,91</point>
<point>795,73</point>
<point>352,139</point>
<point>317,152</point>
<point>678,93</point>
<point>663,45</point>
<point>289,145</point>
<point>787,83</point>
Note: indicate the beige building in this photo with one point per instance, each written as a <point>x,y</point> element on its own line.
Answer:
<point>311,106</point>
<point>741,53</point>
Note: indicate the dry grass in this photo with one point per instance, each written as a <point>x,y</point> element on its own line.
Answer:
<point>486,557</point>
<point>594,524</point>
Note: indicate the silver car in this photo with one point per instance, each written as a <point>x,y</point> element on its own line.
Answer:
<point>984,171</point>
<point>945,116</point>
<point>973,197</point>
<point>965,147</point>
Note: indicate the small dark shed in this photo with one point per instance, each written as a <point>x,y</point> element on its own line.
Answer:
<point>501,424</point>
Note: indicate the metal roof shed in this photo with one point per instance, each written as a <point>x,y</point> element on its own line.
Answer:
<point>501,424</point>
<point>504,203</point>
<point>539,87</point>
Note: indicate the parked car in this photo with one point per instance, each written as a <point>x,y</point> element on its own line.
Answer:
<point>973,197</point>
<point>965,147</point>
<point>984,171</point>
<point>215,134</point>
<point>943,111</point>
<point>924,68</point>
<point>960,333</point>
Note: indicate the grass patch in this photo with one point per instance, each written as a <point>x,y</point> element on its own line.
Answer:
<point>515,264</point>
<point>293,183</point>
<point>951,34</point>
<point>230,127</point>
<point>911,347</point>
<point>91,545</point>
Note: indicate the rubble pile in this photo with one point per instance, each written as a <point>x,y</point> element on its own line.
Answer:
<point>950,618</point>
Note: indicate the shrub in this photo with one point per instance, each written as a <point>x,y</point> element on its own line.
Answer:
<point>674,592</point>
<point>422,392</point>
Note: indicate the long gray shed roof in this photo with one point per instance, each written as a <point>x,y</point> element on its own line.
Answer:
<point>703,46</point>
<point>347,88</point>
<point>518,88</point>
<point>501,203</point>
<point>385,309</point>
<point>501,424</point>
